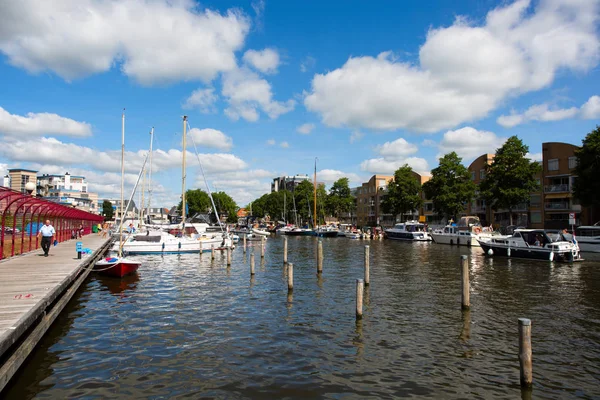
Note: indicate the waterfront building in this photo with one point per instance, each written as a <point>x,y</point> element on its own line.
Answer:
<point>132,211</point>
<point>20,177</point>
<point>67,189</point>
<point>5,181</point>
<point>288,182</point>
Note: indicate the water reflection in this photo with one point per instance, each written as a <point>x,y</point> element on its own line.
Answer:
<point>190,326</point>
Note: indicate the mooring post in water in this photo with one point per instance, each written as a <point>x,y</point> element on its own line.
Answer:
<point>244,242</point>
<point>359,298</point>
<point>252,264</point>
<point>466,302</point>
<point>320,257</point>
<point>228,256</point>
<point>262,247</point>
<point>290,268</point>
<point>212,251</point>
<point>525,359</point>
<point>367,265</point>
<point>285,249</point>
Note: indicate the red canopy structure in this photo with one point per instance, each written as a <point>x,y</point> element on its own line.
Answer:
<point>23,214</point>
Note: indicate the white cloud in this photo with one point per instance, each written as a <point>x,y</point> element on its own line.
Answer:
<point>329,176</point>
<point>540,112</point>
<point>469,143</point>
<point>271,142</point>
<point>399,148</point>
<point>543,112</point>
<point>355,136</point>
<point>534,156</point>
<point>393,156</point>
<point>246,92</point>
<point>428,143</point>
<point>266,61</point>
<point>591,109</point>
<point>284,145</point>
<point>308,63</point>
<point>464,70</point>
<point>153,41</point>
<point>54,152</point>
<point>305,129</point>
<point>211,138</point>
<point>202,99</point>
<point>41,124</point>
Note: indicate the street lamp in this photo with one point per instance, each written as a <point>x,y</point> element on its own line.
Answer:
<point>30,187</point>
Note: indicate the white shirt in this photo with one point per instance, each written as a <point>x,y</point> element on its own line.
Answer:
<point>47,230</point>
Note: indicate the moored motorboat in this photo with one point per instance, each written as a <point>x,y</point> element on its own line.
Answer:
<point>326,231</point>
<point>409,230</point>
<point>587,237</point>
<point>536,244</point>
<point>259,231</point>
<point>465,233</point>
<point>300,232</point>
<point>116,266</point>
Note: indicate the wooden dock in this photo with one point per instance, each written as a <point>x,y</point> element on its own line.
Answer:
<point>33,291</point>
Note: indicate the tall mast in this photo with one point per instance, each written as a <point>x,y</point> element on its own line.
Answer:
<point>315,197</point>
<point>183,176</point>
<point>142,200</point>
<point>122,179</point>
<point>150,172</point>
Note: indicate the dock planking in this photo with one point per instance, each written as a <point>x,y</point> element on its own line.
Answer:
<point>33,291</point>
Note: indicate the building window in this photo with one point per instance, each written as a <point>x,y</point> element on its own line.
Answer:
<point>536,217</point>
<point>482,174</point>
<point>553,165</point>
<point>572,162</point>
<point>472,175</point>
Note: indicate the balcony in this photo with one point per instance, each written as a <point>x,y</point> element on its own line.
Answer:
<point>557,205</point>
<point>556,188</point>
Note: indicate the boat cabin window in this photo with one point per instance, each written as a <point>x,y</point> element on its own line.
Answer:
<point>534,238</point>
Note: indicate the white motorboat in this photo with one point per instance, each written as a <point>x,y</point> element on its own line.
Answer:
<point>467,232</point>
<point>409,230</point>
<point>536,244</point>
<point>259,231</point>
<point>587,237</point>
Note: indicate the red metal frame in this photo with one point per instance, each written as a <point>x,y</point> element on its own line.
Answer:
<point>26,207</point>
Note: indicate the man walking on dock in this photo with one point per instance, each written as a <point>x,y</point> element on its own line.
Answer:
<point>47,233</point>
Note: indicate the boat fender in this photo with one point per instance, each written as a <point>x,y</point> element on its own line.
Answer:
<point>163,247</point>
<point>451,242</point>
<point>179,245</point>
<point>508,252</point>
<point>490,252</point>
<point>458,241</point>
<point>551,256</point>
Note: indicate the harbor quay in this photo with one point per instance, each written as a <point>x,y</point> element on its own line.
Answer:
<point>229,326</point>
<point>33,291</point>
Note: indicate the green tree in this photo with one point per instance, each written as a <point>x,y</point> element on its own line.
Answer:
<point>226,205</point>
<point>303,195</point>
<point>403,193</point>
<point>450,186</point>
<point>587,185</point>
<point>340,198</point>
<point>107,210</point>
<point>510,178</point>
<point>198,201</point>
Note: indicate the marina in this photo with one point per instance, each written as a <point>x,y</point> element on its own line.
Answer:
<point>189,325</point>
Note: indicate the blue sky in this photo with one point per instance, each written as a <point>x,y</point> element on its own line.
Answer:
<point>269,85</point>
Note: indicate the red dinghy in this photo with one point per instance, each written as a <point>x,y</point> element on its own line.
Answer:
<point>116,266</point>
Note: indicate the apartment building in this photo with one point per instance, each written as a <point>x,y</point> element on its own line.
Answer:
<point>20,177</point>
<point>287,182</point>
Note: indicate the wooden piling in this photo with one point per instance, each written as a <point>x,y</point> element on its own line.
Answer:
<point>525,358</point>
<point>212,251</point>
<point>229,256</point>
<point>466,302</point>
<point>359,298</point>
<point>320,257</point>
<point>245,242</point>
<point>285,242</point>
<point>367,272</point>
<point>290,277</point>
<point>252,264</point>
<point>262,247</point>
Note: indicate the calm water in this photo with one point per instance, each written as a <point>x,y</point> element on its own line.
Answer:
<point>188,328</point>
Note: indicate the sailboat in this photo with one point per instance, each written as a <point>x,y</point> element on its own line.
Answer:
<point>119,266</point>
<point>192,238</point>
<point>322,231</point>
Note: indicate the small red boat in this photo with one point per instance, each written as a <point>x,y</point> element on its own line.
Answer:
<point>116,266</point>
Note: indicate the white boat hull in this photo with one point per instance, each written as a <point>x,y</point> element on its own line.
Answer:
<point>454,239</point>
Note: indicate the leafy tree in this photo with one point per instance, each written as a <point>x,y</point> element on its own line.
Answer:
<point>587,185</point>
<point>403,192</point>
<point>197,201</point>
<point>510,178</point>
<point>450,186</point>
<point>340,198</point>
<point>303,195</point>
<point>107,210</point>
<point>226,205</point>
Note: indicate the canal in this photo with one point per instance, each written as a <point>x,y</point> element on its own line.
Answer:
<point>186,326</point>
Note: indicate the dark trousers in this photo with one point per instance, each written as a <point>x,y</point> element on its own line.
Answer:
<point>46,242</point>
